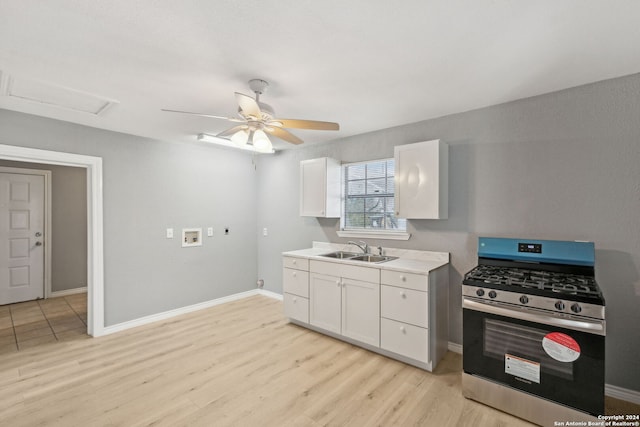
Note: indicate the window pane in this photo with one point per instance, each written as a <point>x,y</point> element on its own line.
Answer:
<point>354,205</point>
<point>354,220</point>
<point>391,186</point>
<point>376,186</point>
<point>356,172</point>
<point>355,188</point>
<point>391,167</point>
<point>375,221</point>
<point>391,205</point>
<point>374,204</point>
<point>376,170</point>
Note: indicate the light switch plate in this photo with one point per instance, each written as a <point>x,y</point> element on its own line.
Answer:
<point>169,233</point>
<point>210,232</point>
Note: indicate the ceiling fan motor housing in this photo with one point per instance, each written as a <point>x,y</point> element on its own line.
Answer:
<point>258,86</point>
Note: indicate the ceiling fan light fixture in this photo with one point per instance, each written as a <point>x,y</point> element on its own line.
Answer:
<point>205,137</point>
<point>240,138</point>
<point>261,142</point>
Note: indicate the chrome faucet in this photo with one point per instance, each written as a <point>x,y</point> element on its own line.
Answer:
<point>362,245</point>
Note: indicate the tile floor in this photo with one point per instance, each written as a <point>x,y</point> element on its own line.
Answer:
<point>28,324</point>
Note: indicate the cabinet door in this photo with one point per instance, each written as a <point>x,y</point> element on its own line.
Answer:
<point>361,311</point>
<point>320,187</point>
<point>313,181</point>
<point>325,301</point>
<point>421,180</point>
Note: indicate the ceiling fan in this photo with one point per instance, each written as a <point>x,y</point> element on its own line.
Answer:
<point>257,119</point>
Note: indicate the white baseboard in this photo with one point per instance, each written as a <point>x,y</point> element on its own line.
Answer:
<point>178,311</point>
<point>622,393</point>
<point>66,292</point>
<point>456,348</point>
<point>270,294</point>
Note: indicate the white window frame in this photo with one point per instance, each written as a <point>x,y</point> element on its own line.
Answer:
<point>365,233</point>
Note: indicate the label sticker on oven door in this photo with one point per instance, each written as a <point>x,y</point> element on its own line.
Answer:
<point>561,347</point>
<point>523,368</point>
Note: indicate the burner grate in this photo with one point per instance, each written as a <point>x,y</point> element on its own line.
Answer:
<point>562,283</point>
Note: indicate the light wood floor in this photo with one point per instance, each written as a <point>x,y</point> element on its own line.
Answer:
<point>236,364</point>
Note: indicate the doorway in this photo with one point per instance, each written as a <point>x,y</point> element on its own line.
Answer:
<point>95,261</point>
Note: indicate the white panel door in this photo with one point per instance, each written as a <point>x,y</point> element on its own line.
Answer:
<point>21,237</point>
<point>361,311</point>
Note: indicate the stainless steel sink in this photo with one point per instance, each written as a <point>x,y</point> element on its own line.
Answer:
<point>340,255</point>
<point>373,258</point>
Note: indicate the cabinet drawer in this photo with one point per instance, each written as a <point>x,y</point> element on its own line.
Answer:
<point>297,263</point>
<point>419,282</point>
<point>405,305</point>
<point>355,272</point>
<point>296,307</point>
<point>404,339</point>
<point>295,282</point>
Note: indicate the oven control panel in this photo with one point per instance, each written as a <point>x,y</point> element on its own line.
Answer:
<point>560,307</point>
<point>534,248</point>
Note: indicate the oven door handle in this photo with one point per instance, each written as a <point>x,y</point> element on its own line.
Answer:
<point>532,315</point>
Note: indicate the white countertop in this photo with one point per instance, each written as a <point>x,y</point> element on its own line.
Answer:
<point>409,261</point>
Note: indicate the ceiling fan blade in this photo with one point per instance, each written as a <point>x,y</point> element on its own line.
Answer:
<point>283,134</point>
<point>248,106</point>
<point>204,115</point>
<point>306,124</point>
<point>232,130</point>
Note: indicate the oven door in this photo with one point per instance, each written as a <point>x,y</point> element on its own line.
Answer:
<point>559,359</point>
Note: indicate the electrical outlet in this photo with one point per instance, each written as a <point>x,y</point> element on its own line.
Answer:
<point>265,232</point>
<point>210,232</point>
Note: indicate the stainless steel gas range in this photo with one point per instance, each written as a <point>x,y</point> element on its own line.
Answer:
<point>534,330</point>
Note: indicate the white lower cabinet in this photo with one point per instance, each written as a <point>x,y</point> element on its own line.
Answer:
<point>344,305</point>
<point>401,315</point>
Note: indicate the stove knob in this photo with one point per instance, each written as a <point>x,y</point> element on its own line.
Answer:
<point>576,308</point>
<point>560,305</point>
<point>524,299</point>
<point>480,292</point>
<point>492,294</point>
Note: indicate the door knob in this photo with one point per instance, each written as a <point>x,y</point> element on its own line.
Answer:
<point>38,243</point>
<point>38,234</point>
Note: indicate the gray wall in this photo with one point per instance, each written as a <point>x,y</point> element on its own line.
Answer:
<point>149,186</point>
<point>68,224</point>
<point>559,166</point>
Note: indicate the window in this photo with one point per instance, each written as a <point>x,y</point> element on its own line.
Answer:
<point>368,197</point>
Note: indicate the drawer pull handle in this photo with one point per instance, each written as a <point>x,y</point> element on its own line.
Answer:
<point>402,294</point>
<point>403,329</point>
<point>338,282</point>
<point>295,300</point>
<point>404,279</point>
<point>293,274</point>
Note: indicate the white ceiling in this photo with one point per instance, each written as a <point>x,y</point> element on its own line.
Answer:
<point>367,64</point>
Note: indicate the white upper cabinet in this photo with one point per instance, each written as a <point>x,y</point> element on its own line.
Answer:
<point>320,188</point>
<point>422,180</point>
